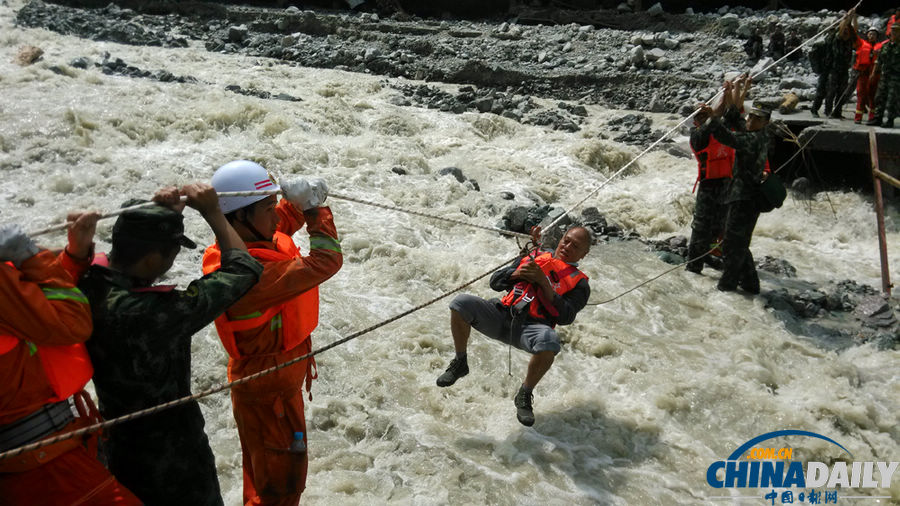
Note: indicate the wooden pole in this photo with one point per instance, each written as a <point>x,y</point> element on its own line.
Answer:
<point>879,214</point>
<point>887,178</point>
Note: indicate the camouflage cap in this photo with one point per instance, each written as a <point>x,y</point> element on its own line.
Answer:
<point>760,113</point>
<point>155,223</point>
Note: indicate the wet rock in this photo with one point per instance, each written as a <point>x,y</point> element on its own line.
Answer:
<point>552,235</point>
<point>874,311</point>
<point>237,33</point>
<point>28,55</point>
<point>636,128</point>
<point>400,171</point>
<point>577,110</point>
<point>777,266</point>
<point>554,120</point>
<point>670,258</point>
<point>505,195</point>
<point>453,171</point>
<point>483,104</point>
<point>80,63</point>
<point>514,218</point>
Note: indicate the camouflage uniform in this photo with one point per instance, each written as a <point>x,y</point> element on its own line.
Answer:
<point>709,209</point>
<point>835,76</point>
<point>887,98</point>
<point>141,350</point>
<point>751,152</point>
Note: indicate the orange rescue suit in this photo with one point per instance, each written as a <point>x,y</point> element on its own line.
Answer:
<point>44,322</point>
<point>298,317</point>
<point>563,278</point>
<point>282,310</point>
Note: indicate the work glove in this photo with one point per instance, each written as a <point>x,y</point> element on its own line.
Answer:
<point>306,193</point>
<point>15,245</point>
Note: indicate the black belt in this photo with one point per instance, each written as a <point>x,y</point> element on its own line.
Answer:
<point>35,426</point>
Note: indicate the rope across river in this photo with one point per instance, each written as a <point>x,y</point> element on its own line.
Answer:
<point>230,384</point>
<point>225,386</point>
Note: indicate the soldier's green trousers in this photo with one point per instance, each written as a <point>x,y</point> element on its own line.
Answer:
<point>739,266</point>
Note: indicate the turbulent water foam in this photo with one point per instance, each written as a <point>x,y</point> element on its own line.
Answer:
<point>650,389</point>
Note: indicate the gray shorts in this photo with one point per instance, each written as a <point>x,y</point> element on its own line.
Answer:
<point>492,320</point>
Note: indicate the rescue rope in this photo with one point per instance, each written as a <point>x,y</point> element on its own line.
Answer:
<point>230,384</point>
<point>117,212</point>
<point>654,278</point>
<point>685,120</point>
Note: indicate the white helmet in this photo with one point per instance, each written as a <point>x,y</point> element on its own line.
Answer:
<point>241,176</point>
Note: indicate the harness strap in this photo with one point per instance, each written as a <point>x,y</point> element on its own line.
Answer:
<point>48,419</point>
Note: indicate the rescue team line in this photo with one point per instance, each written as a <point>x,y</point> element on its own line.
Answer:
<point>685,120</point>
<point>228,385</point>
<point>111,214</point>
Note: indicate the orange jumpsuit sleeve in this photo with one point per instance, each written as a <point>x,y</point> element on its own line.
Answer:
<point>75,267</point>
<point>40,303</point>
<point>284,280</point>
<point>291,219</point>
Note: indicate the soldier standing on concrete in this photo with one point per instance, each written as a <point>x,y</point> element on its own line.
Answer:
<point>887,99</point>
<point>835,68</point>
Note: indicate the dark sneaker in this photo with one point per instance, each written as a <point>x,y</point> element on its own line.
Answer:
<point>695,267</point>
<point>814,113</point>
<point>524,410</point>
<point>873,122</point>
<point>458,368</point>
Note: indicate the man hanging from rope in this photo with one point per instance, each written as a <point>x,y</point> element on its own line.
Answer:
<point>43,370</point>
<point>141,344</point>
<point>751,153</point>
<point>273,322</point>
<point>543,291</point>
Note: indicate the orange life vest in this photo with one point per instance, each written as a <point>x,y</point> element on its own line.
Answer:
<point>563,278</point>
<point>297,317</point>
<point>67,367</point>
<point>864,55</point>
<point>714,161</point>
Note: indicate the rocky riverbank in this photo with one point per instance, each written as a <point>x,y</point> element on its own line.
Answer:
<point>653,61</point>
